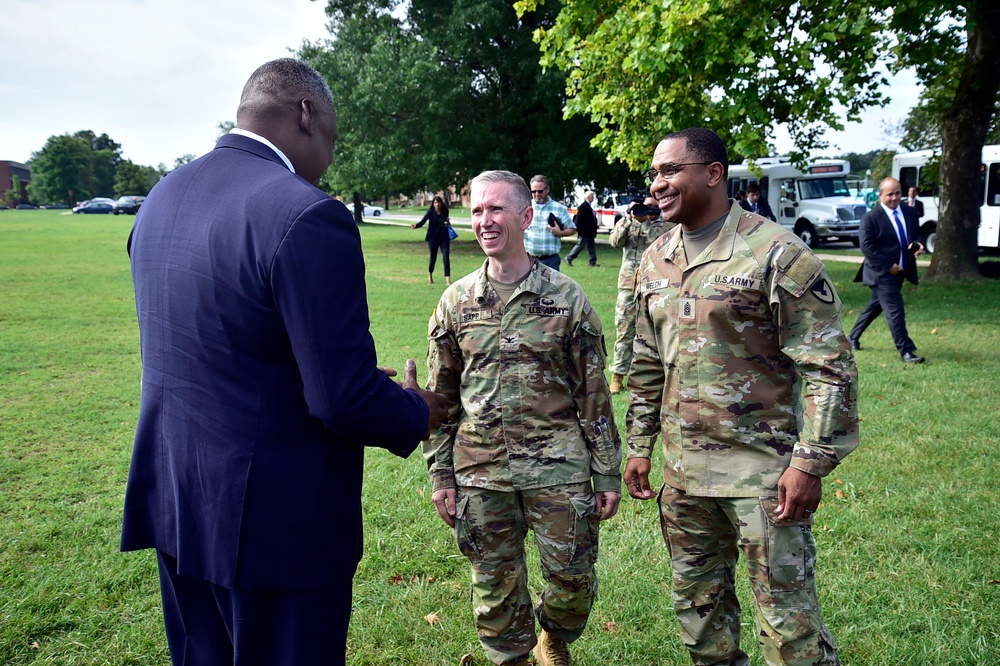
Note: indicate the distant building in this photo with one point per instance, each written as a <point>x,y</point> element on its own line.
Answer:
<point>10,169</point>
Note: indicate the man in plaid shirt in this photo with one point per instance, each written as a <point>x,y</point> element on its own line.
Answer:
<point>541,239</point>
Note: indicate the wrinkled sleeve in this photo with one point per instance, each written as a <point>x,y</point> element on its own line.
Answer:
<point>444,368</point>
<point>812,336</point>
<point>646,379</point>
<point>619,233</point>
<point>593,401</point>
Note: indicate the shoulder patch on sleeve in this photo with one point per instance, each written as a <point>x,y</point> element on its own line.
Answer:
<point>800,271</point>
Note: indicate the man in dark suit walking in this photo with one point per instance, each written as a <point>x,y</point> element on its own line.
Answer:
<point>586,229</point>
<point>891,241</point>
<point>755,203</point>
<point>260,388</point>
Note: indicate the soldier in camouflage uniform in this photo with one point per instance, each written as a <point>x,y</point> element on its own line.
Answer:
<point>530,441</point>
<point>742,366</point>
<point>633,234</point>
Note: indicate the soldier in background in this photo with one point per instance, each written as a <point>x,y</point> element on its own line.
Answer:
<point>633,234</point>
<point>742,366</point>
<point>530,441</point>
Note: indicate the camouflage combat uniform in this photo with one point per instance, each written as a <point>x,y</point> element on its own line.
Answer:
<point>741,364</point>
<point>531,427</point>
<point>633,237</point>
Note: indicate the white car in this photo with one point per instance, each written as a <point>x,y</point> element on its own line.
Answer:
<point>368,209</point>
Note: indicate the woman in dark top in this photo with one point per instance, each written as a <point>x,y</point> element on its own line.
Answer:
<point>437,237</point>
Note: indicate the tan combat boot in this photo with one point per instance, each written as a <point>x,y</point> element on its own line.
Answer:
<point>616,382</point>
<point>552,651</point>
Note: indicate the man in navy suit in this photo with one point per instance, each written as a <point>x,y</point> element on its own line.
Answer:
<point>260,388</point>
<point>891,241</point>
<point>755,203</point>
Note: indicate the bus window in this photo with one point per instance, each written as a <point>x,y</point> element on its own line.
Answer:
<point>908,178</point>
<point>993,185</point>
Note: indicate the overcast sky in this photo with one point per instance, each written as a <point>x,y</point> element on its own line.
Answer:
<point>158,76</point>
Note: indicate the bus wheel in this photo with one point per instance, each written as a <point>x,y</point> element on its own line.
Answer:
<point>807,232</point>
<point>930,235</point>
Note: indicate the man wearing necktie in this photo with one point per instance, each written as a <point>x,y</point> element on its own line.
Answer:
<point>891,241</point>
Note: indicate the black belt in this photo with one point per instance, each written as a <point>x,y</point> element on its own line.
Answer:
<point>546,256</point>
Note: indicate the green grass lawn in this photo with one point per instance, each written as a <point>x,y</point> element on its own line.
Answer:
<point>908,532</point>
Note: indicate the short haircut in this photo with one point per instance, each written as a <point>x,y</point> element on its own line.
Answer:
<point>705,144</point>
<point>753,188</point>
<point>520,195</point>
<point>540,179</point>
<point>280,84</point>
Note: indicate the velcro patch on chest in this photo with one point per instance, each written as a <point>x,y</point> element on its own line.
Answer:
<point>546,307</point>
<point>746,282</point>
<point>473,314</point>
<point>510,342</point>
<point>687,309</point>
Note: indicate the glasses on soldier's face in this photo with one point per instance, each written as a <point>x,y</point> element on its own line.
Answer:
<point>538,191</point>
<point>668,171</point>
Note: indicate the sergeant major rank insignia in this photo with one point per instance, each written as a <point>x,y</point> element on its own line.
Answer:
<point>687,308</point>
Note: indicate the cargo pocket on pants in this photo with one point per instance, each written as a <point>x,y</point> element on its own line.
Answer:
<point>463,530</point>
<point>790,556</point>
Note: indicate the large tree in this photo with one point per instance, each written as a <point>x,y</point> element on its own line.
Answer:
<point>642,69</point>
<point>134,179</point>
<point>61,170</point>
<point>430,92</point>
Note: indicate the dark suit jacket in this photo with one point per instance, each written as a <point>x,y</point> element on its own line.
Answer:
<point>436,227</point>
<point>586,221</point>
<point>763,209</point>
<point>259,385</point>
<point>917,207</point>
<point>880,245</point>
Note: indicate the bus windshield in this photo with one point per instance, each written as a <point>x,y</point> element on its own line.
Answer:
<point>819,188</point>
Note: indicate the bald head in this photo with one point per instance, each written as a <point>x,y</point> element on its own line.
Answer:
<point>890,193</point>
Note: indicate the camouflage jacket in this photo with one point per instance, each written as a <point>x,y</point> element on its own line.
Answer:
<point>530,404</point>
<point>634,237</point>
<point>740,362</point>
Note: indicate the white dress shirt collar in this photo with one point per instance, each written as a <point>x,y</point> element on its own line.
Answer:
<point>257,137</point>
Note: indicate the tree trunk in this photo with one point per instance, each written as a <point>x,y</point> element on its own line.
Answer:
<point>963,132</point>
<point>357,209</point>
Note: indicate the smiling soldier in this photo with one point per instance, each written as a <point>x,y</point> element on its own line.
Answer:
<point>530,441</point>
<point>741,364</point>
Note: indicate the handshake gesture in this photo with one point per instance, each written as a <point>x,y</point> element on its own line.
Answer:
<point>437,404</point>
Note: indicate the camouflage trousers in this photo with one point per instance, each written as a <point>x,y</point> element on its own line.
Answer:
<point>625,310</point>
<point>703,536</point>
<point>490,528</point>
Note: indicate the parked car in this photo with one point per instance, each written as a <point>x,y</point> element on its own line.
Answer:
<point>368,209</point>
<point>128,204</point>
<point>26,206</point>
<point>55,206</point>
<point>110,202</point>
<point>94,207</point>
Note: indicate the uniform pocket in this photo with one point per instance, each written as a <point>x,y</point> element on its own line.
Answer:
<point>463,530</point>
<point>790,557</point>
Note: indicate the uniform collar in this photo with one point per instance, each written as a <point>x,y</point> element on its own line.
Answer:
<point>720,249</point>
<point>533,283</point>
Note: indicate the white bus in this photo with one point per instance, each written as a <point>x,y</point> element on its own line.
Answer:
<point>920,169</point>
<point>816,204</point>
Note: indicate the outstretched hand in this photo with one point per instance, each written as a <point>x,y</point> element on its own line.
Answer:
<point>437,404</point>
